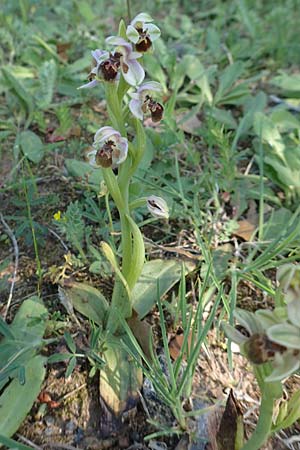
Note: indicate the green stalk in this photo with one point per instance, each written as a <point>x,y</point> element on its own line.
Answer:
<point>264,424</point>
<point>113,188</point>
<point>114,107</point>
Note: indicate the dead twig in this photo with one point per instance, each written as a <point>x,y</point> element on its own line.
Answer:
<point>16,252</point>
<point>28,442</point>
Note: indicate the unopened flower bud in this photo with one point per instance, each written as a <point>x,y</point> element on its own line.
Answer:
<point>158,207</point>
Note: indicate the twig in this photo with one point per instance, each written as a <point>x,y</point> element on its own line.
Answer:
<point>28,442</point>
<point>59,238</point>
<point>57,445</point>
<point>70,394</point>
<point>16,252</point>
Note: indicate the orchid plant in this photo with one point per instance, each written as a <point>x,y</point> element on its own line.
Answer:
<point>129,99</point>
<point>270,340</point>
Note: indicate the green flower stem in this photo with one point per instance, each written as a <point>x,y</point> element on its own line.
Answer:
<point>127,260</point>
<point>138,254</point>
<point>270,392</point>
<point>114,107</point>
<point>113,188</point>
<point>139,145</point>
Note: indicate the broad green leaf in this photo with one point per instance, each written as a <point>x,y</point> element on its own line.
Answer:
<point>276,223</point>
<point>87,300</point>
<point>229,76</point>
<point>19,90</point>
<point>223,116</point>
<point>5,329</point>
<point>268,132</point>
<point>30,320</point>
<point>120,379</point>
<point>155,70</point>
<point>86,11</point>
<point>32,146</point>
<point>284,120</point>
<point>287,172</point>
<point>158,276</point>
<point>14,445</point>
<point>84,171</point>
<point>26,331</point>
<point>17,399</point>
<point>47,77</point>
<point>290,83</point>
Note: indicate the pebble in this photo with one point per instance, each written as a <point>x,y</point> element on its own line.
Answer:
<point>70,427</point>
<point>49,420</point>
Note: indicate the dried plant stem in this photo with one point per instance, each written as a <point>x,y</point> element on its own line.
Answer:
<point>16,252</point>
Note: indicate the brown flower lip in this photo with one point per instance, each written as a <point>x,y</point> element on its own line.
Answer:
<point>155,108</point>
<point>104,155</point>
<point>260,349</point>
<point>109,68</point>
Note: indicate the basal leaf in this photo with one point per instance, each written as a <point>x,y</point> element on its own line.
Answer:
<point>84,171</point>
<point>156,274</point>
<point>120,379</point>
<point>87,300</point>
<point>17,399</point>
<point>31,146</point>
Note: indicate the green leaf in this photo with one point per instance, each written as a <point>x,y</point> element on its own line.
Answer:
<point>268,132</point>
<point>84,171</point>
<point>120,379</point>
<point>47,77</point>
<point>5,329</point>
<point>291,414</point>
<point>290,83</point>
<point>14,445</point>
<point>156,273</point>
<point>58,357</point>
<point>70,342</point>
<point>19,91</point>
<point>87,300</point>
<point>27,331</point>
<point>71,367</point>
<point>17,399</point>
<point>86,11</point>
<point>32,146</point>
<point>199,76</point>
<point>229,76</point>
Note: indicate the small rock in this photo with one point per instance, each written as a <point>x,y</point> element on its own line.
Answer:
<point>70,427</point>
<point>124,441</point>
<point>49,420</point>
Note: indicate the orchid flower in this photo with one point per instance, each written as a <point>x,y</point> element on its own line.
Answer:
<point>267,338</point>
<point>109,148</point>
<point>99,56</point>
<point>131,69</point>
<point>142,32</point>
<point>158,207</point>
<point>142,101</point>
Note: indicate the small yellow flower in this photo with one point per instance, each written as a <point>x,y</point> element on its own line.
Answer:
<point>57,216</point>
